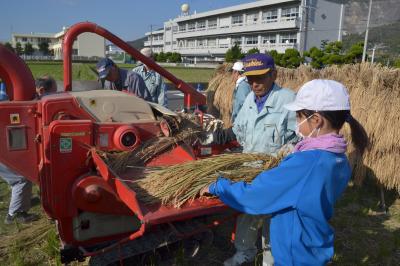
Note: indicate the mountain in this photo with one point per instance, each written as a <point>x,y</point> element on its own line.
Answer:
<point>138,43</point>
<point>356,14</point>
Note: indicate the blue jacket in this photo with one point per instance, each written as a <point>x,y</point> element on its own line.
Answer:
<point>267,131</point>
<point>242,89</point>
<point>154,83</point>
<point>300,193</point>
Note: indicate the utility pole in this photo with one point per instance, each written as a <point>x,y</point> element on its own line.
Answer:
<point>151,37</point>
<point>373,54</point>
<point>366,33</point>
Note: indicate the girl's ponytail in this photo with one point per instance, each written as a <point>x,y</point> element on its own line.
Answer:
<point>358,134</point>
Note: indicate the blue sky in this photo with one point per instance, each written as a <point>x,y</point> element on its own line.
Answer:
<point>128,19</point>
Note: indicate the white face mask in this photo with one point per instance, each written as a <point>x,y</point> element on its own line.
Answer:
<point>298,133</point>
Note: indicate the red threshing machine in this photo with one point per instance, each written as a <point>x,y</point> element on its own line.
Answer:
<point>52,142</point>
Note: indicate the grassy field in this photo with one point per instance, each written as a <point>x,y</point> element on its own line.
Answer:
<point>364,235</point>
<point>82,71</point>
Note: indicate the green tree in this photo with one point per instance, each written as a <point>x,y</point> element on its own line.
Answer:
<point>44,48</point>
<point>175,57</point>
<point>18,48</point>
<point>317,57</point>
<point>162,57</point>
<point>9,46</point>
<point>253,51</point>
<point>291,58</point>
<point>28,49</point>
<point>276,56</point>
<point>397,63</point>
<point>234,54</point>
<point>354,55</point>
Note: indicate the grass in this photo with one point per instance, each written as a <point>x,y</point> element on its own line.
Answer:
<point>81,71</point>
<point>364,234</point>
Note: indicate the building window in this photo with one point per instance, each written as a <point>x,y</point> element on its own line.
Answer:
<point>201,25</point>
<point>74,51</point>
<point>24,39</point>
<point>201,43</point>
<point>191,43</point>
<point>251,40</point>
<point>270,16</point>
<point>252,18</point>
<point>237,20</point>
<point>182,28</point>
<point>191,26</point>
<point>290,13</point>
<point>212,24</point>
<point>174,28</point>
<point>167,43</point>
<point>269,39</point>
<point>288,38</point>
<point>212,42</point>
<point>167,28</point>
<point>236,40</point>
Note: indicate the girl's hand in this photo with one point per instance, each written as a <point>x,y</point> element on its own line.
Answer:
<point>204,191</point>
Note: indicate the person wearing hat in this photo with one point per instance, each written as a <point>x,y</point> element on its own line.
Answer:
<point>300,193</point>
<point>114,78</point>
<point>153,80</point>
<point>261,126</point>
<point>242,88</point>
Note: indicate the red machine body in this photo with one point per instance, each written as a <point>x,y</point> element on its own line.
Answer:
<point>53,143</point>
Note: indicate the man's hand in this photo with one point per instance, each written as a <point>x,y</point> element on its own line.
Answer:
<point>209,139</point>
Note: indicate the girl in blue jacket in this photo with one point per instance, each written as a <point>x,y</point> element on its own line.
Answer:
<point>301,192</point>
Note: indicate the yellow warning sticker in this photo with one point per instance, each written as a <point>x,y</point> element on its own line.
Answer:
<point>14,119</point>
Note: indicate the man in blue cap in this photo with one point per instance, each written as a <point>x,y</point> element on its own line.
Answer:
<point>115,78</point>
<point>261,126</point>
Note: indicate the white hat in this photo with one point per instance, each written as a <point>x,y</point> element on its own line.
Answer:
<point>238,66</point>
<point>321,95</point>
<point>147,52</point>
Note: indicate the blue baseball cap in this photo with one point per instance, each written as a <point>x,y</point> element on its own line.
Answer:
<point>103,67</point>
<point>258,64</point>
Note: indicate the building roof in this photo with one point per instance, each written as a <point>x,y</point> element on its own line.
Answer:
<point>231,9</point>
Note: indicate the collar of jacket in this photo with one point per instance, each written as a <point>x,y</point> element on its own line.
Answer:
<point>239,80</point>
<point>269,103</point>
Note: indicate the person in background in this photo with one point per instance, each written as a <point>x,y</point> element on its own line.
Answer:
<point>261,126</point>
<point>300,193</point>
<point>114,78</point>
<point>242,88</point>
<point>154,82</point>
<point>45,85</point>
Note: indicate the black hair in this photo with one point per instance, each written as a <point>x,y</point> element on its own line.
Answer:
<point>337,119</point>
<point>46,83</point>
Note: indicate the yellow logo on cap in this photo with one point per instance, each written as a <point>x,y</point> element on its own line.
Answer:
<point>253,63</point>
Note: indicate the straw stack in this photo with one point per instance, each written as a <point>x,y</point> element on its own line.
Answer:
<point>220,93</point>
<point>375,98</point>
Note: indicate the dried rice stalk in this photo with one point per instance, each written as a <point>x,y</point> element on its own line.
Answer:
<point>189,132</point>
<point>375,99</point>
<point>178,184</point>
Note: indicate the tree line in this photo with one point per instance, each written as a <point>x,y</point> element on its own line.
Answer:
<point>28,49</point>
<point>330,53</point>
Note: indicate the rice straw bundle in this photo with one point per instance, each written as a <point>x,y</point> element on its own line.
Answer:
<point>375,100</point>
<point>180,183</point>
<point>220,92</point>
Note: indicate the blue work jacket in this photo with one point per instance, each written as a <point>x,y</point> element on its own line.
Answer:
<point>300,194</point>
<point>242,89</point>
<point>155,84</point>
<point>267,131</point>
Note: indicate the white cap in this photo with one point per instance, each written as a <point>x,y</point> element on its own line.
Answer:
<point>321,95</point>
<point>146,52</point>
<point>238,66</point>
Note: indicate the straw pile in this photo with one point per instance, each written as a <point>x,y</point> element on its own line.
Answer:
<point>220,92</point>
<point>375,98</point>
<point>177,184</point>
